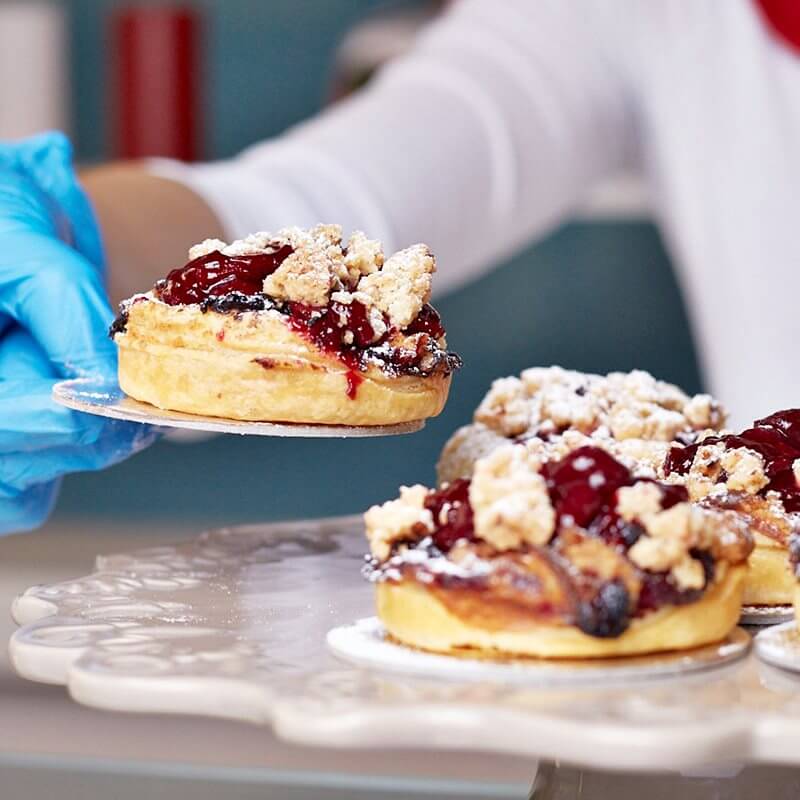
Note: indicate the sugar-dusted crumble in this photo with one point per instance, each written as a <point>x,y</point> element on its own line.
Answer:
<point>716,468</point>
<point>397,519</point>
<point>545,400</point>
<point>638,500</point>
<point>306,276</point>
<point>403,285</point>
<point>509,499</point>
<point>671,535</point>
<point>363,256</point>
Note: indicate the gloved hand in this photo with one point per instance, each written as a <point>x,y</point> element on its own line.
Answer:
<point>54,319</point>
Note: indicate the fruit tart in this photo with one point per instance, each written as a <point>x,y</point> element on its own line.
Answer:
<point>632,415</point>
<point>292,327</point>
<point>756,474</point>
<point>569,558</point>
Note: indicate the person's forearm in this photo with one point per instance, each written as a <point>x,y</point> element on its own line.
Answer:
<point>147,222</point>
<point>481,138</point>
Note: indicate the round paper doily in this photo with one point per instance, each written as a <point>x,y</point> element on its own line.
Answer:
<point>366,644</point>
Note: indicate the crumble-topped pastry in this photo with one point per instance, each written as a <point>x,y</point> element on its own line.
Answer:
<point>572,557</point>
<point>631,415</point>
<point>297,326</point>
<point>755,474</point>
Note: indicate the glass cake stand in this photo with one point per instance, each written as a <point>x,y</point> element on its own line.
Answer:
<point>233,625</point>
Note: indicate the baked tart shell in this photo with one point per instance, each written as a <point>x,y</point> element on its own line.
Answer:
<point>253,366</point>
<point>770,581</point>
<point>413,615</point>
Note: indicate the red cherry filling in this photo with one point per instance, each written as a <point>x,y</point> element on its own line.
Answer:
<point>427,321</point>
<point>452,514</point>
<point>217,275</point>
<point>582,483</point>
<point>327,329</point>
<point>659,590</point>
<point>775,438</point>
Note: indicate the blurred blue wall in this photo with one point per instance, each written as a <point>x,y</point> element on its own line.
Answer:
<point>595,296</point>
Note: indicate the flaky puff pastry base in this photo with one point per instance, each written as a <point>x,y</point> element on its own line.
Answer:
<point>413,615</point>
<point>252,366</point>
<point>770,581</point>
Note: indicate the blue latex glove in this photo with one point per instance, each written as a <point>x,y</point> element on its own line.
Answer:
<point>54,319</point>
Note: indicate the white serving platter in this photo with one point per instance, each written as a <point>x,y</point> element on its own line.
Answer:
<point>234,623</point>
<point>108,400</point>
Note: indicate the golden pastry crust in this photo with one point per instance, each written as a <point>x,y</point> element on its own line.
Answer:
<point>770,581</point>
<point>413,614</point>
<point>253,366</point>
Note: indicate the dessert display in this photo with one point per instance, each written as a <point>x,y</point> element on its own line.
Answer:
<point>566,557</point>
<point>657,431</point>
<point>296,327</point>
<point>632,415</point>
<point>756,474</point>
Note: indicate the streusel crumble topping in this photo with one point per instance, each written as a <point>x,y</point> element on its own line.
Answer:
<point>632,416</point>
<point>634,405</point>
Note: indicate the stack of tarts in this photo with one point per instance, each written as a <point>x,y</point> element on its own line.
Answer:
<point>297,326</point>
<point>585,516</point>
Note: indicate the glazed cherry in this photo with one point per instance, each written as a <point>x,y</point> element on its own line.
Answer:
<point>427,321</point>
<point>583,482</point>
<point>787,422</point>
<point>452,504</point>
<point>216,275</point>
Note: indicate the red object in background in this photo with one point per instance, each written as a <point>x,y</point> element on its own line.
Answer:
<point>156,104</point>
<point>783,16</point>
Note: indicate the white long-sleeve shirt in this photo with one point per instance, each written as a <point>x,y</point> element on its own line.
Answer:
<point>507,111</point>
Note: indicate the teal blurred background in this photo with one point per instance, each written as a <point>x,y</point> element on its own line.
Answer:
<point>595,295</point>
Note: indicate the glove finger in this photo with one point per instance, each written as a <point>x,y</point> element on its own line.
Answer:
<point>31,420</point>
<point>47,160</point>
<point>21,358</point>
<point>117,440</point>
<point>58,296</point>
<point>29,509</point>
